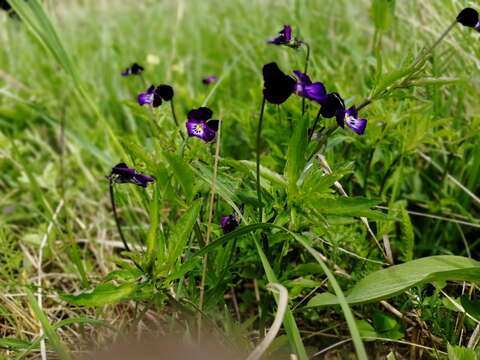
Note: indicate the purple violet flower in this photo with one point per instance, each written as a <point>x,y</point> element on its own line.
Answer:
<point>350,117</point>
<point>277,86</point>
<point>284,37</point>
<point>229,223</point>
<point>135,69</point>
<point>199,124</point>
<point>469,17</point>
<point>154,95</point>
<point>209,79</point>
<point>122,174</point>
<point>312,91</point>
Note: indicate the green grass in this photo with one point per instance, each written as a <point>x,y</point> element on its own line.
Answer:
<point>72,75</point>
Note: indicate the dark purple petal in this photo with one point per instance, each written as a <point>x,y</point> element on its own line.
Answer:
<point>228,223</point>
<point>284,36</point>
<point>352,111</point>
<point>340,117</point>
<point>146,98</point>
<point>331,105</point>
<point>468,17</point>
<point>209,79</point>
<point>121,174</point>
<point>303,79</point>
<point>316,92</point>
<point>277,86</point>
<point>165,92</point>
<point>199,129</point>
<point>202,113</point>
<point>142,179</point>
<point>136,69</point>
<point>4,5</point>
<point>213,124</point>
<point>157,100</point>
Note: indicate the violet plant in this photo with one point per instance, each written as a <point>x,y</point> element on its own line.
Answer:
<point>165,269</point>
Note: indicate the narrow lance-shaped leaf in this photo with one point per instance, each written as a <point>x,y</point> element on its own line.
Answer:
<point>49,331</point>
<point>296,154</point>
<point>181,232</point>
<point>394,280</point>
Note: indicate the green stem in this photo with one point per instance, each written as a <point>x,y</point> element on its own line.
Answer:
<point>115,216</point>
<point>419,60</point>
<point>314,126</point>
<point>175,119</point>
<point>117,222</point>
<point>259,133</point>
<point>307,59</point>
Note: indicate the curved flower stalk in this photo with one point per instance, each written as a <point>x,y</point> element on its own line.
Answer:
<point>285,38</point>
<point>122,174</point>
<point>155,96</point>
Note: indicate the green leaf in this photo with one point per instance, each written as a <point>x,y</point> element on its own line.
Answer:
<point>182,173</point>
<point>224,187</point>
<point>250,167</point>
<point>103,294</point>
<point>366,330</point>
<point>344,206</point>
<point>296,154</point>
<point>289,323</point>
<point>10,343</point>
<point>471,307</point>
<point>383,14</point>
<point>394,280</point>
<point>434,81</point>
<point>190,263</point>
<point>180,234</point>
<point>49,331</point>
<point>460,353</point>
<point>407,239</point>
<point>386,326</point>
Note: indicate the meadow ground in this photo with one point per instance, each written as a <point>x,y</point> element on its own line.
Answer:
<point>335,207</point>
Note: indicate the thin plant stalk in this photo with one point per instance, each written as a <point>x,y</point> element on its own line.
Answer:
<point>115,216</point>
<point>315,123</point>
<point>307,59</point>
<point>209,228</point>
<point>420,58</point>
<point>117,222</point>
<point>62,157</point>
<point>144,83</point>
<point>175,119</point>
<point>259,133</point>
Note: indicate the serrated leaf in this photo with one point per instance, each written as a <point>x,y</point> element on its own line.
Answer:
<point>394,280</point>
